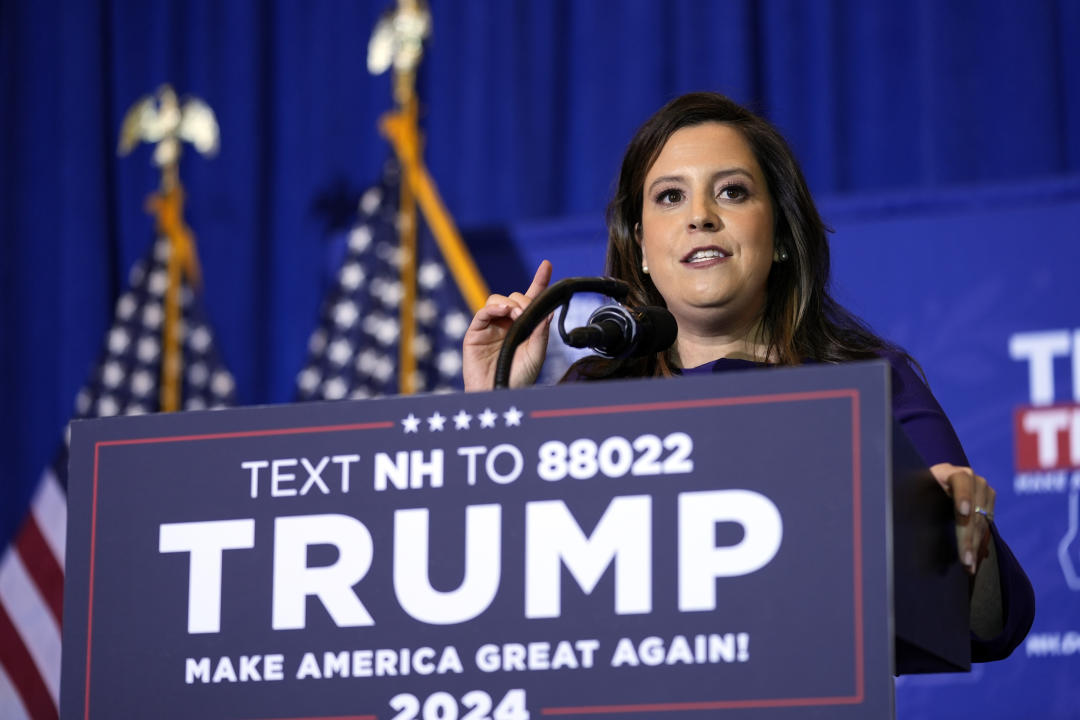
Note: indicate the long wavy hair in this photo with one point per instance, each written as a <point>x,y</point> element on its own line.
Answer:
<point>801,321</point>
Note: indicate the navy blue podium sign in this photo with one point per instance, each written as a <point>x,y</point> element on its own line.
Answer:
<point>637,549</point>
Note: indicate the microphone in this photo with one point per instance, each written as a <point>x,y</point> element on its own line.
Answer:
<point>616,331</point>
<point>556,295</point>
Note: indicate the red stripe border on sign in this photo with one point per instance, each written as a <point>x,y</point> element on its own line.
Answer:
<point>851,394</point>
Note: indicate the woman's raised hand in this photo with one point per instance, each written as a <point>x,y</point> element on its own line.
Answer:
<point>484,338</point>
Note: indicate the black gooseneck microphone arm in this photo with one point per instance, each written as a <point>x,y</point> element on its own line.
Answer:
<point>556,295</point>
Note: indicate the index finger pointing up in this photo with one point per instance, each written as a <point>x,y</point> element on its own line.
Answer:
<point>540,280</point>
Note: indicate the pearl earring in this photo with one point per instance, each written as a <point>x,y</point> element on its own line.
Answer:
<point>644,267</point>
<point>781,255</point>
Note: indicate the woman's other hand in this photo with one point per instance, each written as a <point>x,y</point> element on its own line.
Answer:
<point>973,500</point>
<point>484,338</point>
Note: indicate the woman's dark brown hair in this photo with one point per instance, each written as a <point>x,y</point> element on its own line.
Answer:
<point>801,320</point>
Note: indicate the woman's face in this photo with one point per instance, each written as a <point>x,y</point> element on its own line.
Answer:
<point>707,229</point>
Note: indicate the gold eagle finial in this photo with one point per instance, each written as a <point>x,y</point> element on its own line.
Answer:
<point>398,38</point>
<point>162,119</point>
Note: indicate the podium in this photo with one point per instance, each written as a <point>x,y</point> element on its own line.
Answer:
<point>633,549</point>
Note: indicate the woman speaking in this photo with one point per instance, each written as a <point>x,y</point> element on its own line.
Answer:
<point>713,220</point>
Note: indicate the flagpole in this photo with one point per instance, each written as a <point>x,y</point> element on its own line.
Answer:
<point>404,90</point>
<point>168,209</point>
<point>161,119</point>
<point>398,41</point>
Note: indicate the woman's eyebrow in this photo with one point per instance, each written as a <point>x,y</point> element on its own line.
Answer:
<point>720,174</point>
<point>665,179</point>
<point>733,171</point>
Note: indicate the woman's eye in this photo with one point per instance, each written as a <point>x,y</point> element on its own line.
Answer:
<point>669,196</point>
<point>733,192</point>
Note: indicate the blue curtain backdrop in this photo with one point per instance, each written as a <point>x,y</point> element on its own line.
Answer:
<point>527,107</point>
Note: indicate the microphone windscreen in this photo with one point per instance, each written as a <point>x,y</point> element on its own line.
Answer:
<point>658,330</point>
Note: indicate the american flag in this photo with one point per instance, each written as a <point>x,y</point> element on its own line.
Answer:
<point>353,352</point>
<point>125,382</point>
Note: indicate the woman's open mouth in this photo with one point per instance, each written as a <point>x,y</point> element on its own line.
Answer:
<point>705,256</point>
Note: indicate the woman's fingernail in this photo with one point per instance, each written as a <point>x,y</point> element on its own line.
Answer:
<point>969,560</point>
<point>965,508</point>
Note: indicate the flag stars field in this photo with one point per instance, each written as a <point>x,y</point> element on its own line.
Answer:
<point>369,283</point>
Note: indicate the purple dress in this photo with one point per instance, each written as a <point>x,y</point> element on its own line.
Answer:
<point>914,407</point>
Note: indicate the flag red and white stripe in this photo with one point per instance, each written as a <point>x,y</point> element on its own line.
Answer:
<point>31,602</point>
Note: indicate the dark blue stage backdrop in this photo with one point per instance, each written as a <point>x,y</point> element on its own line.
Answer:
<point>943,139</point>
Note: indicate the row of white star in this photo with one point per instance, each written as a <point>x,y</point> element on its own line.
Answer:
<point>437,421</point>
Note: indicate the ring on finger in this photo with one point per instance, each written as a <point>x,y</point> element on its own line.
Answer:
<point>987,513</point>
